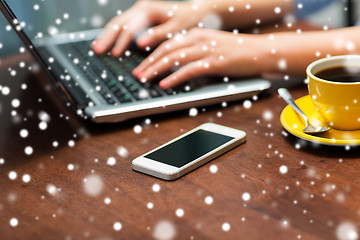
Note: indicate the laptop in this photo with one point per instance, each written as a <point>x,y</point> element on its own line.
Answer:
<point>102,88</point>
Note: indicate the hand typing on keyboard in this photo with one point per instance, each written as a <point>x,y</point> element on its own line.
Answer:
<point>204,52</point>
<point>212,52</point>
<point>171,17</point>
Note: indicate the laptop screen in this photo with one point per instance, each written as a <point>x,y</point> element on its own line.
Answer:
<point>47,26</point>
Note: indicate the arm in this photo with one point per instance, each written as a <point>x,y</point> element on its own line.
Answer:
<point>174,17</point>
<point>298,50</point>
<point>237,14</point>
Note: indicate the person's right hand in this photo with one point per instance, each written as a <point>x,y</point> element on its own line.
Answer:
<point>171,17</point>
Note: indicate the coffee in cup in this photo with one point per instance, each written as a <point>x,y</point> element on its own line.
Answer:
<point>334,87</point>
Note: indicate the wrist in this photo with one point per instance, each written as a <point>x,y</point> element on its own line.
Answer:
<point>266,55</point>
<point>276,53</point>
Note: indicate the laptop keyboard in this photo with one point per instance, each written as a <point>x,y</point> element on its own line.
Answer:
<point>112,77</point>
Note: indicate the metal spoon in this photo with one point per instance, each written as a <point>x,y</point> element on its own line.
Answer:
<point>284,93</point>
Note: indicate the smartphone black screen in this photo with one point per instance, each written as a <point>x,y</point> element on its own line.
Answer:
<point>189,148</point>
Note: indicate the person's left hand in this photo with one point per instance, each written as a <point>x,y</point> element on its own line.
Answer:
<point>204,52</point>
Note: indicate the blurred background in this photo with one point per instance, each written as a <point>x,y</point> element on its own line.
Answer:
<point>52,17</point>
<point>75,15</point>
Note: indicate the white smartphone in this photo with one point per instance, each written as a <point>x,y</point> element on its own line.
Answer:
<point>189,151</point>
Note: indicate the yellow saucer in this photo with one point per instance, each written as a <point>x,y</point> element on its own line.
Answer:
<point>294,124</point>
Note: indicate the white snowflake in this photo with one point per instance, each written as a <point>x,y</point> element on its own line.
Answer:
<point>137,129</point>
<point>14,222</point>
<point>209,200</point>
<point>282,64</point>
<point>12,175</point>
<point>44,116</point>
<point>15,103</point>
<point>156,187</point>
<point>193,112</point>
<point>70,167</point>
<point>93,185</point>
<point>226,227</point>
<point>122,151</point>
<point>102,2</point>
<point>52,30</point>
<point>179,212</point>
<point>51,189</point>
<point>247,104</point>
<point>246,196</point>
<point>24,133</point>
<point>42,125</point>
<point>71,143</point>
<point>111,161</point>
<point>268,115</point>
<point>212,21</point>
<point>107,201</point>
<point>5,90</point>
<point>283,169</point>
<point>26,178</point>
<point>277,10</point>
<point>164,230</point>
<point>28,150</point>
<point>213,168</point>
<point>117,226</point>
<point>347,231</point>
<point>97,21</point>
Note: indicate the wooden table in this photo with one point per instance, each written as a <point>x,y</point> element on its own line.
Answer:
<point>56,183</point>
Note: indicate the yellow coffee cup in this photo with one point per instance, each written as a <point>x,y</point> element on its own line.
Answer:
<point>337,99</point>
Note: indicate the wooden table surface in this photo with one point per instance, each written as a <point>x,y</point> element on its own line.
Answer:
<point>56,183</point>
